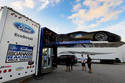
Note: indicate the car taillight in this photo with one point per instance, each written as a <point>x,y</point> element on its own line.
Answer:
<point>4,71</point>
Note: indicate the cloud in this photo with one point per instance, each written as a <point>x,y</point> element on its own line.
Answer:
<point>46,3</point>
<point>29,3</point>
<point>78,0</point>
<point>99,11</point>
<point>57,1</point>
<point>41,4</point>
<point>76,7</point>
<point>20,4</point>
<point>85,27</point>
<point>111,16</point>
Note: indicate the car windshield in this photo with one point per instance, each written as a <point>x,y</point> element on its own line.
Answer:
<point>64,56</point>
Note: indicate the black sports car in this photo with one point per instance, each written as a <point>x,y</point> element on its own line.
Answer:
<point>94,36</point>
<point>62,59</point>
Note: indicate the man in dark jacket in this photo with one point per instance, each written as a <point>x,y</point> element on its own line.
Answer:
<point>68,63</point>
<point>89,62</point>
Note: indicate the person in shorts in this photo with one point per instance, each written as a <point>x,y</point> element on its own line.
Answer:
<point>83,61</point>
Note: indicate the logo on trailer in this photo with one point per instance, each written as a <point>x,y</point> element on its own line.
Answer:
<point>24,27</point>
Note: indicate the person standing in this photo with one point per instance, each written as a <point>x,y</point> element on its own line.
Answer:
<point>89,62</point>
<point>71,62</point>
<point>83,61</point>
<point>68,63</point>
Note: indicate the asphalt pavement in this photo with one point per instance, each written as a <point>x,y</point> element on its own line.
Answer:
<point>102,73</point>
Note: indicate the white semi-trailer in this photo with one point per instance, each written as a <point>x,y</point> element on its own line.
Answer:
<point>19,40</point>
<point>107,52</point>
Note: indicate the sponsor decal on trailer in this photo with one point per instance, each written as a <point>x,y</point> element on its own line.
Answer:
<point>8,66</point>
<point>22,36</point>
<point>19,53</point>
<point>24,27</point>
<point>73,42</point>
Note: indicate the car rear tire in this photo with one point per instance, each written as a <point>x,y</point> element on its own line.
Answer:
<point>101,36</point>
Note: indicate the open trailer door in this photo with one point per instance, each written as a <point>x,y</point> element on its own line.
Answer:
<point>47,51</point>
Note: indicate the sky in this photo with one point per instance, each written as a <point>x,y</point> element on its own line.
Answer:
<point>64,16</point>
